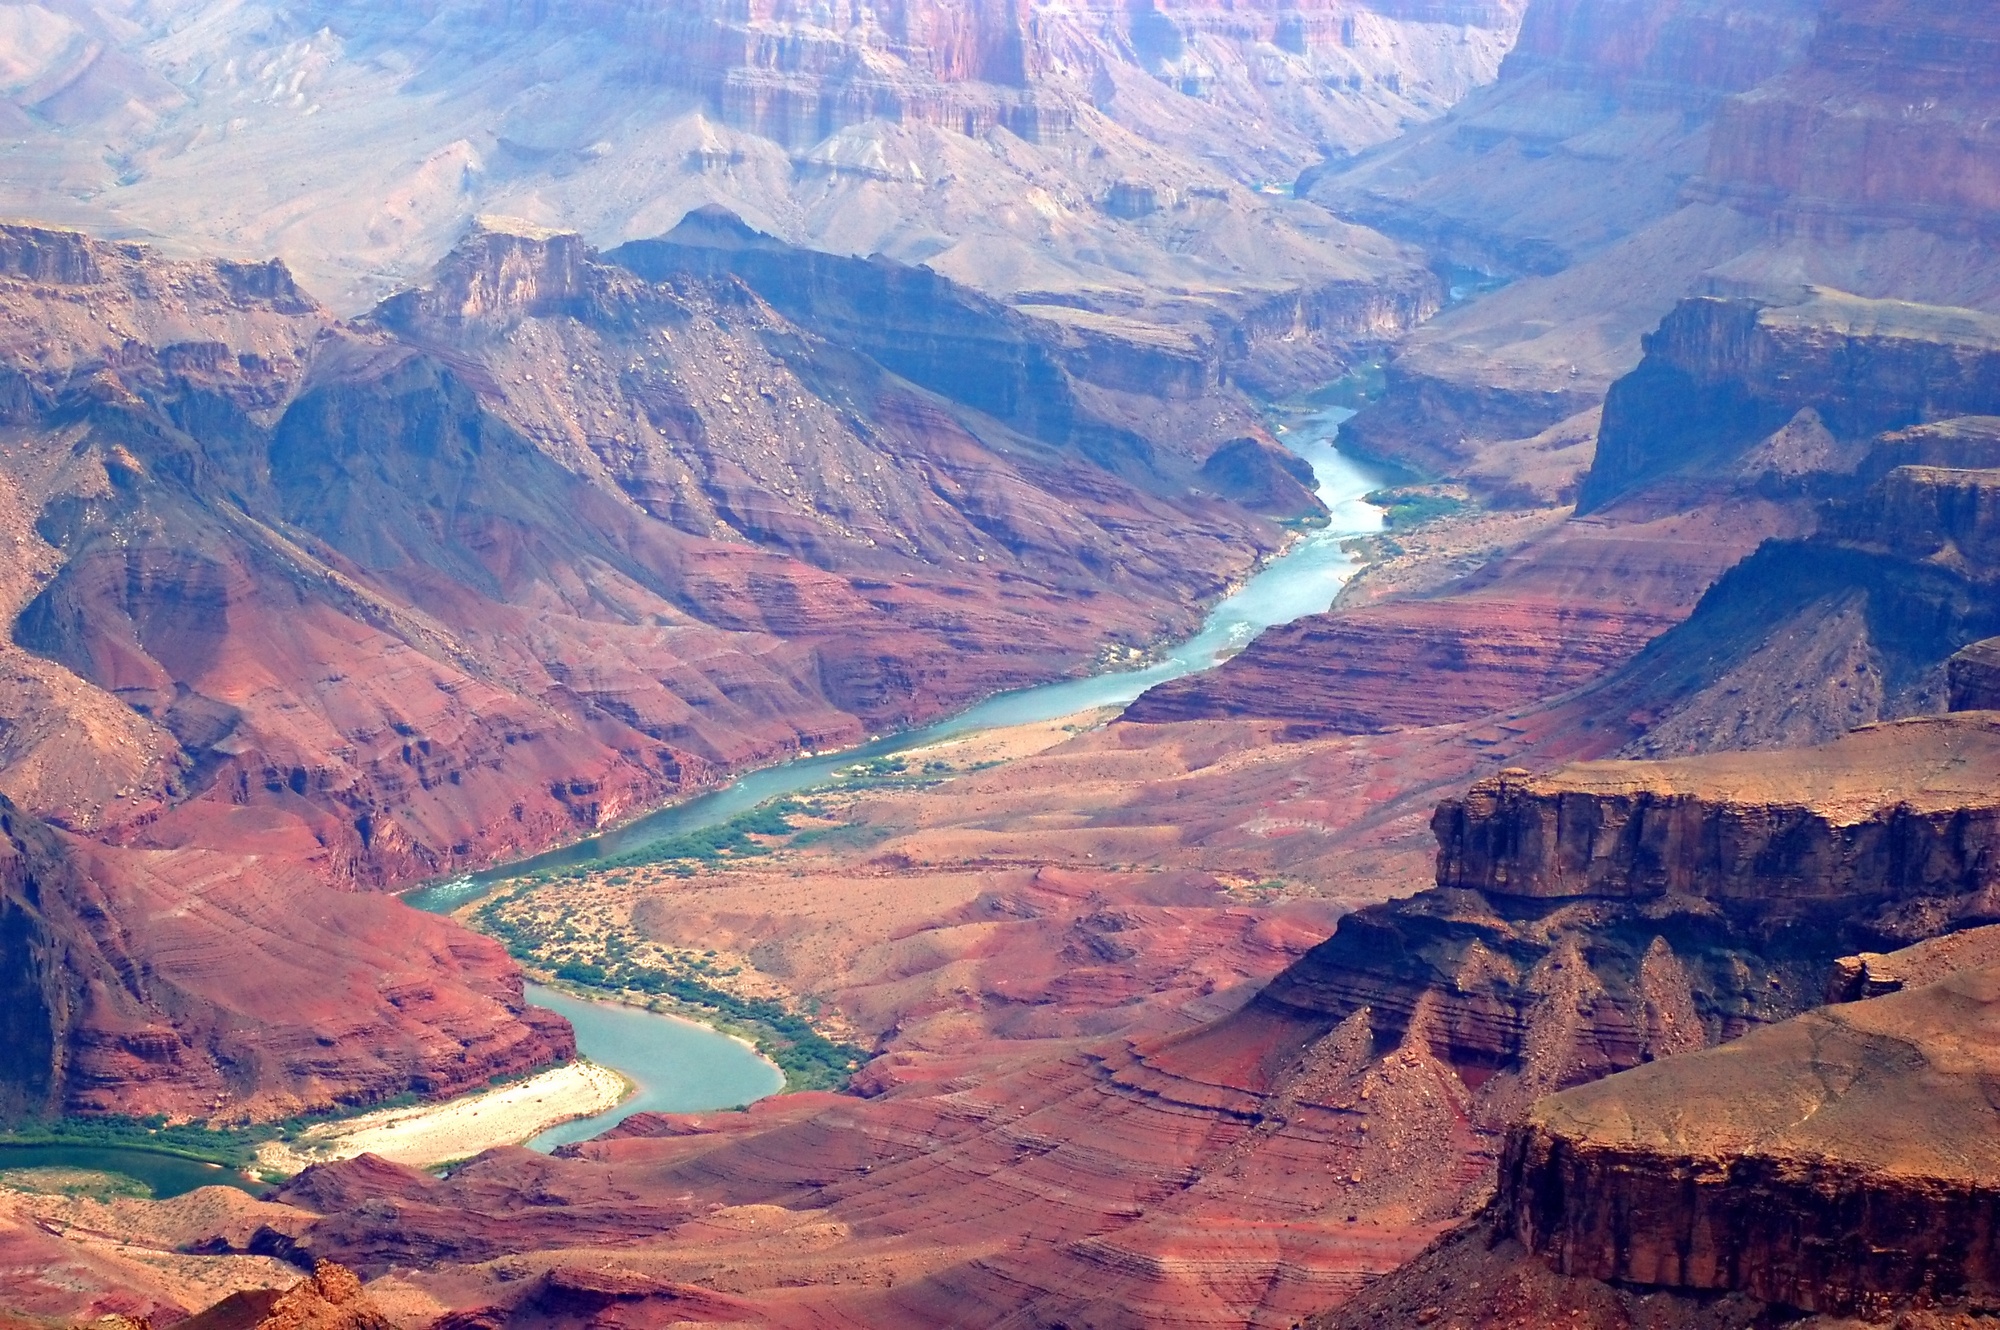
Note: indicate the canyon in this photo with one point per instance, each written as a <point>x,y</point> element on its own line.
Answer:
<point>700,386</point>
<point>305,607</point>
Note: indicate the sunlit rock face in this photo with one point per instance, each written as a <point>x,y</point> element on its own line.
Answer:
<point>1634,154</point>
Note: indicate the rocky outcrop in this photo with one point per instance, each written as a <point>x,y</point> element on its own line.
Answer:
<point>331,1298</point>
<point>1835,1163</point>
<point>913,322</point>
<point>1974,676</point>
<point>1018,366</point>
<point>1808,638</point>
<point>1264,478</point>
<point>1528,624</point>
<point>1721,375</point>
<point>538,545</point>
<point>1612,913</point>
<point>1885,123</point>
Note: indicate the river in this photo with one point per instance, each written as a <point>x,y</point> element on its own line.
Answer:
<point>675,1066</point>
<point>682,1067</point>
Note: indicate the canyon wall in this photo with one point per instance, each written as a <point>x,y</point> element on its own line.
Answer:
<point>1835,1163</point>
<point>1886,123</point>
<point>1725,150</point>
<point>302,604</point>
<point>1246,1167</point>
<point>1122,168</point>
<point>1613,913</point>
<point>1747,426</point>
<point>1722,375</point>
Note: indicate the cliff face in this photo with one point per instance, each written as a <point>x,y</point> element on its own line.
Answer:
<point>1613,913</point>
<point>1722,375</point>
<point>1108,163</point>
<point>105,1013</point>
<point>1888,121</point>
<point>1810,637</point>
<point>1692,49</point>
<point>1725,149</point>
<point>1018,366</point>
<point>38,993</point>
<point>1836,1163</point>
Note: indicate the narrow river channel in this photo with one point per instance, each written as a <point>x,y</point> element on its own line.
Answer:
<point>682,1067</point>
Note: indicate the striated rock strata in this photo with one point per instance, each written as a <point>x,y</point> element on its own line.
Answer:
<point>1721,376</point>
<point>1836,1163</point>
<point>1613,913</point>
<point>1725,150</point>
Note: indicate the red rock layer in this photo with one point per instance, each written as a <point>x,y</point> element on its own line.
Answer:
<point>1723,376</point>
<point>1683,50</point>
<point>1888,121</point>
<point>204,983</point>
<point>1545,621</point>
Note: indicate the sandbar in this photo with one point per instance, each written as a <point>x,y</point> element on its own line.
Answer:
<point>423,1135</point>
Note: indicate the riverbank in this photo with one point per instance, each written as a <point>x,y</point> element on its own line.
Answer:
<point>426,1135</point>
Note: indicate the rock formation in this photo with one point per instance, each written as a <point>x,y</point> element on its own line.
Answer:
<point>1118,169</point>
<point>1246,1168</point>
<point>330,1299</point>
<point>1722,376</point>
<point>1828,1167</point>
<point>104,1016</point>
<point>1746,422</point>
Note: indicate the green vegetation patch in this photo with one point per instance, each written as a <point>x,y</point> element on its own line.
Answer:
<point>229,1146</point>
<point>726,840</point>
<point>1404,508</point>
<point>605,964</point>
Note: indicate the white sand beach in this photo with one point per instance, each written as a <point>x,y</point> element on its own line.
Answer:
<point>428,1134</point>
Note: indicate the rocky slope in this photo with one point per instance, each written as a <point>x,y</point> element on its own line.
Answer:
<point>1614,913</point>
<point>537,544</point>
<point>1861,621</point>
<point>1743,422</point>
<point>149,983</point>
<point>1248,1168</point>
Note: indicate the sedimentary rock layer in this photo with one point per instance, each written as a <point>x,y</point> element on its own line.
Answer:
<point>1720,376</point>
<point>1839,1162</point>
<point>1612,913</point>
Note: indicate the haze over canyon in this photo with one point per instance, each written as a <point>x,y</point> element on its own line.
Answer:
<point>437,435</point>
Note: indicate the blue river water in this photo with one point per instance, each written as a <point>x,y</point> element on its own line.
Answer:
<point>675,1066</point>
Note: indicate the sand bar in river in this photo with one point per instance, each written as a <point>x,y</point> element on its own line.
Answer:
<point>426,1134</point>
